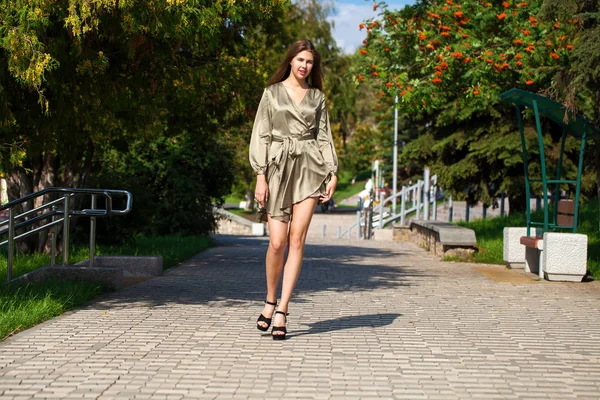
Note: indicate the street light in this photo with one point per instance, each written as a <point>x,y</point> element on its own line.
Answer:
<point>395,160</point>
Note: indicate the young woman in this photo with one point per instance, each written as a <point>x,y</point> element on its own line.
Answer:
<point>292,154</point>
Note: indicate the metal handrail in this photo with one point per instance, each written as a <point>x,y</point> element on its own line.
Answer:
<point>66,213</point>
<point>380,218</point>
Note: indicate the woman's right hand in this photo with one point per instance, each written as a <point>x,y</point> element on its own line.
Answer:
<point>261,192</point>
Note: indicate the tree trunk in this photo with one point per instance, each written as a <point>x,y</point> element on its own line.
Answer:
<point>46,178</point>
<point>597,165</point>
<point>20,185</point>
<point>597,146</point>
<point>517,202</point>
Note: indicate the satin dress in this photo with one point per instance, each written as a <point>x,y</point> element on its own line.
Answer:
<point>292,146</point>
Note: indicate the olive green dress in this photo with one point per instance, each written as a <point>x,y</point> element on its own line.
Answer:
<point>292,145</point>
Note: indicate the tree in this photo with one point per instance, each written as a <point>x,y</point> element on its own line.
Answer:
<point>577,84</point>
<point>78,79</point>
<point>449,61</point>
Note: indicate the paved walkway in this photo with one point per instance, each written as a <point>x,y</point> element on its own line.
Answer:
<point>370,320</point>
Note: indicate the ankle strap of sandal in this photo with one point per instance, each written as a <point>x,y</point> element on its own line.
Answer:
<point>281,312</point>
<point>270,303</point>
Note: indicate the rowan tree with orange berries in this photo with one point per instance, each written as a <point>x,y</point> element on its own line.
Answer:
<point>448,61</point>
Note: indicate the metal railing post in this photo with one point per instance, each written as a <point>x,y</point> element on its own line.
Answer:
<point>53,241</point>
<point>11,242</point>
<point>402,205</point>
<point>381,196</point>
<point>369,222</point>
<point>419,199</point>
<point>434,212</point>
<point>450,208</point>
<point>426,188</point>
<point>66,211</point>
<point>357,225</point>
<point>93,233</point>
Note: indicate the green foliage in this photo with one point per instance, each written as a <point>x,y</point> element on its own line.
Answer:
<point>175,183</point>
<point>346,189</point>
<point>367,145</point>
<point>448,61</point>
<point>578,84</point>
<point>85,85</point>
<point>456,57</point>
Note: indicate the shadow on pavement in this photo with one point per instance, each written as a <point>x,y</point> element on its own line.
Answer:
<point>348,322</point>
<point>233,273</point>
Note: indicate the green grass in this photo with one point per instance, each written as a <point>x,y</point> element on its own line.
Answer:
<point>233,199</point>
<point>23,306</point>
<point>241,212</point>
<point>346,189</point>
<point>173,249</point>
<point>489,233</point>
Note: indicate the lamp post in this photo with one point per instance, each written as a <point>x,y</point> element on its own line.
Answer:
<point>395,160</point>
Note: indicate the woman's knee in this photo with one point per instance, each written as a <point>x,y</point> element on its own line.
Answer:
<point>297,241</point>
<point>278,245</point>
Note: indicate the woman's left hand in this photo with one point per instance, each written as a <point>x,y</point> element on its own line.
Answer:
<point>329,189</point>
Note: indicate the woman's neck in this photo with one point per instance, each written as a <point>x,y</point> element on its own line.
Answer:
<point>292,81</point>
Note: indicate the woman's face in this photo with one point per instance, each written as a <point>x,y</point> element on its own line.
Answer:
<point>302,64</point>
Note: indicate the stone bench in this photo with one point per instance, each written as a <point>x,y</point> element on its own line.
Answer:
<point>554,256</point>
<point>443,238</point>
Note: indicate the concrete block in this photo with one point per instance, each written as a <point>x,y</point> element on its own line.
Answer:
<point>402,233</point>
<point>564,256</point>
<point>133,266</point>
<point>383,235</point>
<point>514,253</point>
<point>513,250</point>
<point>258,229</point>
<point>112,277</point>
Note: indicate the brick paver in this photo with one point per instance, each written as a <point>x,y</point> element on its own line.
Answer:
<point>369,320</point>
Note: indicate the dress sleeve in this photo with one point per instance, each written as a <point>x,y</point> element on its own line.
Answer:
<point>261,136</point>
<point>325,141</point>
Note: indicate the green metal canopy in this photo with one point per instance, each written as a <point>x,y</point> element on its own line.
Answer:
<point>549,108</point>
<point>576,126</point>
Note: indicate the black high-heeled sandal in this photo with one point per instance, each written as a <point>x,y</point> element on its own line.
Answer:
<point>280,328</point>
<point>264,319</point>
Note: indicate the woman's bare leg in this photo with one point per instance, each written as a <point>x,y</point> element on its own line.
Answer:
<point>278,232</point>
<point>303,213</point>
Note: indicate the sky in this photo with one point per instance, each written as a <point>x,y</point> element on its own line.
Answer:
<point>350,13</point>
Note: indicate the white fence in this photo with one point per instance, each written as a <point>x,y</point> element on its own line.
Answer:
<point>412,199</point>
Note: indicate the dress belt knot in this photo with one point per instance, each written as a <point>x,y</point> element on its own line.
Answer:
<point>289,148</point>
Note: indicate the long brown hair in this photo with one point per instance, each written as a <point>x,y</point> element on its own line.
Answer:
<point>315,79</point>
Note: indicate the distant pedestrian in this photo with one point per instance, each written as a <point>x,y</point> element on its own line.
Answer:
<point>292,154</point>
